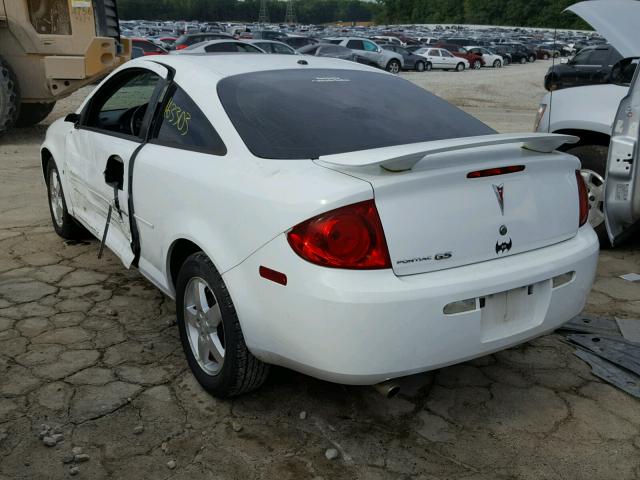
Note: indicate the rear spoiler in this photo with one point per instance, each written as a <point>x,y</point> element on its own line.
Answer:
<point>403,157</point>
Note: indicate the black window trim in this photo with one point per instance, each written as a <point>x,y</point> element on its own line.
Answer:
<point>157,122</point>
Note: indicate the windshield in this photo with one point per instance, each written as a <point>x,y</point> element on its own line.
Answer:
<point>301,114</point>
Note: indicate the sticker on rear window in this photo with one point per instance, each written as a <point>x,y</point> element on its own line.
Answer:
<point>177,117</point>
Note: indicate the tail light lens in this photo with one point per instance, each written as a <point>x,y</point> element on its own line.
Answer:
<point>182,47</point>
<point>583,198</point>
<point>348,237</point>
<point>539,114</point>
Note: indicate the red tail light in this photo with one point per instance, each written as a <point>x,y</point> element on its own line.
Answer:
<point>182,47</point>
<point>490,172</point>
<point>583,198</point>
<point>348,237</point>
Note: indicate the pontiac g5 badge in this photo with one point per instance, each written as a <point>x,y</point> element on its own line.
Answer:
<point>499,191</point>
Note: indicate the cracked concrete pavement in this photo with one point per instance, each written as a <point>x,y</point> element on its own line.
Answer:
<point>91,350</point>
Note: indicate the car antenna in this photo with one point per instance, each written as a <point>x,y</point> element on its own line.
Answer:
<point>553,67</point>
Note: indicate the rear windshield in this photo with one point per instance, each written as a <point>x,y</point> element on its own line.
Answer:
<point>302,114</point>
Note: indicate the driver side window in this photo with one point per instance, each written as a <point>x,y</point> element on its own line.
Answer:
<point>370,47</point>
<point>120,105</point>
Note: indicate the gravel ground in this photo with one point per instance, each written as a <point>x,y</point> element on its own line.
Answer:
<point>504,98</point>
<point>93,381</point>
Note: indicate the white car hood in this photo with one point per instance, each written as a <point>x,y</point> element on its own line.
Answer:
<point>616,20</point>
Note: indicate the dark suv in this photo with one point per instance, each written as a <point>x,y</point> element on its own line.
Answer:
<point>591,66</point>
<point>189,39</point>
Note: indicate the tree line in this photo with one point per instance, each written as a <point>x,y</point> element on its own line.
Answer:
<point>521,13</point>
<point>526,13</point>
<point>306,11</point>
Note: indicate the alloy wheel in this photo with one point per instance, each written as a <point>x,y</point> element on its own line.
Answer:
<point>204,325</point>
<point>56,198</point>
<point>595,194</point>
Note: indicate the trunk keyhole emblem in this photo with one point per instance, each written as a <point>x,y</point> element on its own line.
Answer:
<point>503,230</point>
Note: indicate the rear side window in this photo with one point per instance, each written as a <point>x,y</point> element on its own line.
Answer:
<point>599,56</point>
<point>266,46</point>
<point>355,45</point>
<point>229,47</point>
<point>302,114</point>
<point>281,49</point>
<point>182,124</point>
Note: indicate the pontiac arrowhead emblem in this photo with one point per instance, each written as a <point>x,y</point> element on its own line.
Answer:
<point>499,190</point>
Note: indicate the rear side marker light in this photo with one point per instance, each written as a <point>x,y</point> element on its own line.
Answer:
<point>563,279</point>
<point>348,237</point>
<point>273,275</point>
<point>492,172</point>
<point>583,198</point>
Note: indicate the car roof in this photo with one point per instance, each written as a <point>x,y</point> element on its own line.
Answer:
<point>221,66</point>
<point>261,40</point>
<point>196,34</point>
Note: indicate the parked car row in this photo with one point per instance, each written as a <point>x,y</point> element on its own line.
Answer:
<point>389,56</point>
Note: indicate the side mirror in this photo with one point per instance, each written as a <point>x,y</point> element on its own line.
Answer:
<point>564,61</point>
<point>73,118</point>
<point>622,72</point>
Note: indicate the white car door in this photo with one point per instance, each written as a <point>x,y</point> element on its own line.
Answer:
<point>622,184</point>
<point>112,129</point>
<point>448,60</point>
<point>433,55</point>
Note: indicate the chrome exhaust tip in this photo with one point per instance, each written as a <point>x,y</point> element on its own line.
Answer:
<point>388,388</point>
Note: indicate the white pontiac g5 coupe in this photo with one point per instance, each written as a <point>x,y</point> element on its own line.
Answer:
<point>321,215</point>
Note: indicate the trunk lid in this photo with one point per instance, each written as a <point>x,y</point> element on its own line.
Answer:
<point>435,217</point>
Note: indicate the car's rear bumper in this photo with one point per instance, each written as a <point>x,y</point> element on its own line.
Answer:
<point>362,327</point>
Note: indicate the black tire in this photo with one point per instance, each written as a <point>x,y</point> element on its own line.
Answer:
<point>33,113</point>
<point>9,97</point>
<point>428,67</point>
<point>532,58</point>
<point>419,66</point>
<point>460,67</point>
<point>240,372</point>
<point>497,64</point>
<point>477,65</point>
<point>523,60</point>
<point>393,66</point>
<point>67,227</point>
<point>594,158</point>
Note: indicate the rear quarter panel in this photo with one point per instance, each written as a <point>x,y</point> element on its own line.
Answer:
<point>229,206</point>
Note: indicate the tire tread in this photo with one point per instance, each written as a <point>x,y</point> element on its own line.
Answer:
<point>250,373</point>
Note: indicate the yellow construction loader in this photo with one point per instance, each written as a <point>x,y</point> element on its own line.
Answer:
<point>49,49</point>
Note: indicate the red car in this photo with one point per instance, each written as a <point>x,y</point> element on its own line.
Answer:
<point>147,47</point>
<point>475,61</point>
